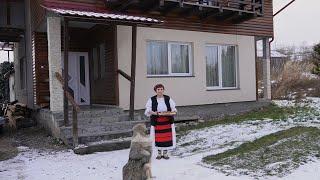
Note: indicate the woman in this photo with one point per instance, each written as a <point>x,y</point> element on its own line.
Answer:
<point>162,129</point>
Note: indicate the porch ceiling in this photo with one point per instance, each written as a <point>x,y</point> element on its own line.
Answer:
<point>10,34</point>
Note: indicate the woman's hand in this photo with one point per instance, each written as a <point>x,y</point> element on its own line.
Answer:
<point>154,112</point>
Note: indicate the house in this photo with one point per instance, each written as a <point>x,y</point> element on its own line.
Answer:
<point>277,60</point>
<point>116,50</point>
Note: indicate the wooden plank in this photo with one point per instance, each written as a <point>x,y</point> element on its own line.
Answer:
<point>66,72</point>
<point>69,96</point>
<point>8,13</point>
<point>75,127</point>
<point>133,70</point>
<point>115,60</point>
<point>125,75</point>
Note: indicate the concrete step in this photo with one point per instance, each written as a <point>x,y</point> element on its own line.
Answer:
<point>102,146</point>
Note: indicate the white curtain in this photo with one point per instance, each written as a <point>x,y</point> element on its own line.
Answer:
<point>157,58</point>
<point>179,58</point>
<point>212,66</point>
<point>228,66</point>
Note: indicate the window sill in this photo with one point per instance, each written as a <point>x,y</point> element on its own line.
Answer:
<point>220,89</point>
<point>170,76</point>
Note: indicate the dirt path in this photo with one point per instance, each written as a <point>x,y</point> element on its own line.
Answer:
<point>33,137</point>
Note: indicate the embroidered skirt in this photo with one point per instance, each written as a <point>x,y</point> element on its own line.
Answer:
<point>163,134</point>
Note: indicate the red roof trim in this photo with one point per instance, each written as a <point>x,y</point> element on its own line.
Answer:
<point>103,15</point>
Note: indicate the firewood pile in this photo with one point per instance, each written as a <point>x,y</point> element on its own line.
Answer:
<point>18,115</point>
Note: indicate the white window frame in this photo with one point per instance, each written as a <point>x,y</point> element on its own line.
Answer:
<point>169,43</point>
<point>220,87</point>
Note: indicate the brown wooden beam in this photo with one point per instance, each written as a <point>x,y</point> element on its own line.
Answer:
<point>69,96</point>
<point>115,57</point>
<point>125,5</point>
<point>213,13</point>
<point>166,8</point>
<point>228,16</point>
<point>133,70</point>
<point>125,75</point>
<point>8,13</point>
<point>75,136</point>
<point>152,6</point>
<point>243,17</point>
<point>66,73</point>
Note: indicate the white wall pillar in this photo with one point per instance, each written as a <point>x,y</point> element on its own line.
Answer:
<point>16,65</point>
<point>54,59</point>
<point>266,69</point>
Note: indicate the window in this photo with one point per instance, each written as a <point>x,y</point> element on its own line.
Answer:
<point>221,67</point>
<point>82,71</point>
<point>168,59</point>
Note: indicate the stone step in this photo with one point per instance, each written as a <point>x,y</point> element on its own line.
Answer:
<point>92,113</point>
<point>96,137</point>
<point>98,120</point>
<point>100,130</point>
<point>186,119</point>
<point>102,146</point>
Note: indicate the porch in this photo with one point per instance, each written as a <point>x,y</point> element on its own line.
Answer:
<point>81,76</point>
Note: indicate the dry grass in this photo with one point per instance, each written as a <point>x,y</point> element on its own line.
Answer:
<point>295,82</point>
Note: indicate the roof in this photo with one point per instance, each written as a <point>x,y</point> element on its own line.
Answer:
<point>274,54</point>
<point>5,46</point>
<point>103,15</point>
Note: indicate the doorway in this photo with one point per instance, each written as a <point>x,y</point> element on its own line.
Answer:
<point>79,82</point>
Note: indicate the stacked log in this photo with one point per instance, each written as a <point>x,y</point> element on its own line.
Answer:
<point>18,115</point>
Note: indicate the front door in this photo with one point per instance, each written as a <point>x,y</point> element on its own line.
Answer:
<point>79,85</point>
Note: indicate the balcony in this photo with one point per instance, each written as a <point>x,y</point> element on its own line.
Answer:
<point>235,11</point>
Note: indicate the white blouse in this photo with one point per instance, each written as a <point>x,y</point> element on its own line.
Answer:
<point>161,106</point>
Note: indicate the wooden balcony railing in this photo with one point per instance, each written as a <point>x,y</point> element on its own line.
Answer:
<point>221,9</point>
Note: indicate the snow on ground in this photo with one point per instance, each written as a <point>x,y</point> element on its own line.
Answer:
<point>186,163</point>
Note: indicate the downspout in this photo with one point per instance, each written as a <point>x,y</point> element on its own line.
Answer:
<point>283,8</point>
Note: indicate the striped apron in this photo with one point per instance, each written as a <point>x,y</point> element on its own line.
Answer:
<point>163,132</point>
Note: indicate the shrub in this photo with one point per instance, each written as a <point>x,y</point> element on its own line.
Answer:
<point>295,81</point>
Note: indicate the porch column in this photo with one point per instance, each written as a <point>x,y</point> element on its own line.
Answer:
<point>133,70</point>
<point>266,69</point>
<point>54,60</point>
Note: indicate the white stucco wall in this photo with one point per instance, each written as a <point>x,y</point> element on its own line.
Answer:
<point>184,90</point>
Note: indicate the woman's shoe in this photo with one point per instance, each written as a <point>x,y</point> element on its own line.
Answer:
<point>165,155</point>
<point>159,156</point>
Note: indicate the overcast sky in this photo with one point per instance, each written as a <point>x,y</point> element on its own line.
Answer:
<point>296,25</point>
<point>4,56</point>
